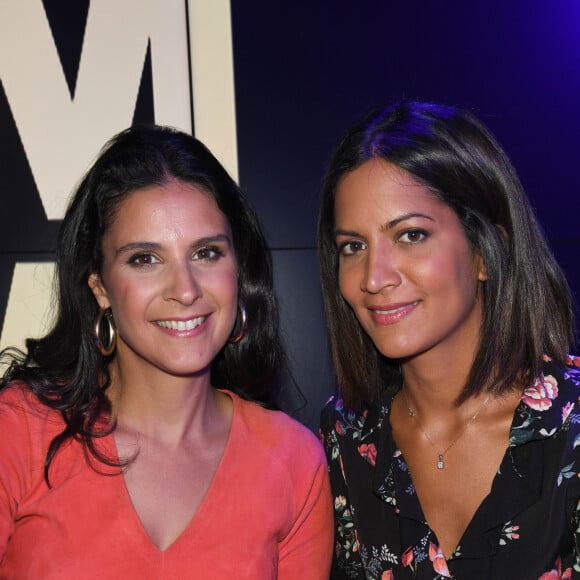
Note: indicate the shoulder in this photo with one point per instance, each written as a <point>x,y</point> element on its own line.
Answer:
<point>560,396</point>
<point>557,387</point>
<point>572,370</point>
<point>275,431</point>
<point>550,404</point>
<point>22,415</point>
<point>564,379</point>
<point>17,400</point>
<point>27,427</point>
<point>567,391</point>
<point>549,407</point>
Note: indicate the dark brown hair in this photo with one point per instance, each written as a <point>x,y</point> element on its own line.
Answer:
<point>527,303</point>
<point>64,368</point>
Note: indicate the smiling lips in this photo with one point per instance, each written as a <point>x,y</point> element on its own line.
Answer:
<point>181,325</point>
<point>392,313</point>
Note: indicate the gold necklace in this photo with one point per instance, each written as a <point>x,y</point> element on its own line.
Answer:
<point>441,454</point>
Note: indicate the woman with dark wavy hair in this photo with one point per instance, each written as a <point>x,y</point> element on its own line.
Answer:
<point>132,442</point>
<point>453,442</point>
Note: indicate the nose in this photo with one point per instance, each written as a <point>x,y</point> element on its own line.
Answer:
<point>182,285</point>
<point>381,270</point>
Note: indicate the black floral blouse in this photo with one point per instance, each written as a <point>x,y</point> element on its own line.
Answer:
<point>528,527</point>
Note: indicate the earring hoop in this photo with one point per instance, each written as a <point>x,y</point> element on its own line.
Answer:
<point>105,314</point>
<point>243,326</point>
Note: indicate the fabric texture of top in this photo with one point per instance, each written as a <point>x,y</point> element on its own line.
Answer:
<point>526,528</point>
<point>267,513</point>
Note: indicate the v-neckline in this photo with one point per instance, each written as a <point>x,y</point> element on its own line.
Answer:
<point>207,498</point>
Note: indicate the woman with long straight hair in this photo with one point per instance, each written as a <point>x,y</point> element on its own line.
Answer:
<point>453,442</point>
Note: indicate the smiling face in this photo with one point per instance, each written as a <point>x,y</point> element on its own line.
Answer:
<point>169,274</point>
<point>406,267</point>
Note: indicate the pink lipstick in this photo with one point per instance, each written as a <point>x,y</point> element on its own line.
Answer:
<point>392,313</point>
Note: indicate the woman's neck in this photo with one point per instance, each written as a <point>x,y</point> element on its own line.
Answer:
<point>433,387</point>
<point>161,405</point>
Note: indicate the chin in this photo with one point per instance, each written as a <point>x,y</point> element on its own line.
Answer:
<point>186,373</point>
<point>398,352</point>
<point>186,368</point>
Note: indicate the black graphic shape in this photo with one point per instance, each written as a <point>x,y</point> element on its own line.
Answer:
<point>23,223</point>
<point>68,21</point>
<point>144,108</point>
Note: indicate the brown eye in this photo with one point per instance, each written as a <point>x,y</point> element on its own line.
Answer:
<point>350,248</point>
<point>208,254</point>
<point>143,259</point>
<point>413,236</point>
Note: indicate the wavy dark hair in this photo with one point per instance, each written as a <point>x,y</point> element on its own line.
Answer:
<point>527,304</point>
<point>64,369</point>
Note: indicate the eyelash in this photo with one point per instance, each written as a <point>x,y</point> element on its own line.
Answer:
<point>215,254</point>
<point>203,254</point>
<point>423,235</point>
<point>353,247</point>
<point>143,260</point>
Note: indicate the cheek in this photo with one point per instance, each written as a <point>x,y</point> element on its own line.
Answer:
<point>442,268</point>
<point>346,284</point>
<point>456,276</point>
<point>350,289</point>
<point>436,272</point>
<point>228,299</point>
<point>225,285</point>
<point>129,297</point>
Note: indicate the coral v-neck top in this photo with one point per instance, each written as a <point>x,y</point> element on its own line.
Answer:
<point>267,513</point>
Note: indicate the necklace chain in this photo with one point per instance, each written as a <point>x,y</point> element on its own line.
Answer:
<point>441,454</point>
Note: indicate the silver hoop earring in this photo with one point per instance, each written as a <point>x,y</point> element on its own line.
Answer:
<point>243,325</point>
<point>107,315</point>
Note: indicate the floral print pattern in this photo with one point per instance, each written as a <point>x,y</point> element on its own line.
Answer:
<point>439,563</point>
<point>556,573</point>
<point>541,393</point>
<point>380,528</point>
<point>369,452</point>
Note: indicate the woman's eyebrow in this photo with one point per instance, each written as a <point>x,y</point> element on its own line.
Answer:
<point>387,226</point>
<point>392,223</point>
<point>155,246</point>
<point>351,233</point>
<point>146,246</point>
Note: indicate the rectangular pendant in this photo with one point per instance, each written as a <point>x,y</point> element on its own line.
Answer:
<point>440,464</point>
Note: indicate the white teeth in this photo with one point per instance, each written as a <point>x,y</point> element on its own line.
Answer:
<point>181,324</point>
<point>390,311</point>
<point>398,309</point>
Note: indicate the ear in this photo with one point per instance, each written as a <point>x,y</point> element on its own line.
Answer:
<point>502,232</point>
<point>481,268</point>
<point>99,291</point>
